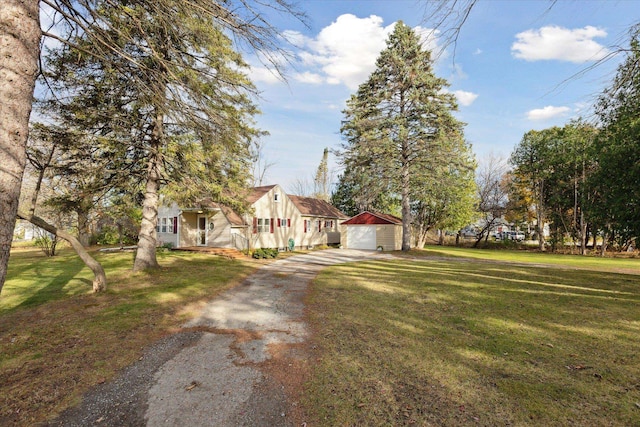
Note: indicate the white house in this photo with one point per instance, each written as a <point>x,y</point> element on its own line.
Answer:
<point>277,220</point>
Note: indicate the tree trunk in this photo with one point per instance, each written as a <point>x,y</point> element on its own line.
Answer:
<point>605,242</point>
<point>540,216</point>
<point>421,236</point>
<point>406,202</point>
<point>19,53</point>
<point>146,252</point>
<point>100,278</point>
<point>83,227</point>
<point>583,234</point>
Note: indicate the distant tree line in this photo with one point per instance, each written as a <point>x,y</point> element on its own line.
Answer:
<point>584,179</point>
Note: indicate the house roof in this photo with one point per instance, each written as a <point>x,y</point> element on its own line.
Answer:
<point>233,218</point>
<point>370,218</point>
<point>258,192</point>
<point>308,206</point>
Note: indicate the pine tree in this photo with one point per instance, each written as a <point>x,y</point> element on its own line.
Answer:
<point>20,49</point>
<point>399,124</point>
<point>177,112</point>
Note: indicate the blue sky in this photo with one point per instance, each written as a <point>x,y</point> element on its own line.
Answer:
<point>514,69</point>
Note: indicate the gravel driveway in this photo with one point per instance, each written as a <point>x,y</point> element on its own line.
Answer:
<point>213,373</point>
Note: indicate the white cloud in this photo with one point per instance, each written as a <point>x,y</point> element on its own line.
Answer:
<point>560,43</point>
<point>478,51</point>
<point>309,77</point>
<point>548,112</point>
<point>264,74</point>
<point>346,51</point>
<point>428,37</point>
<point>465,98</point>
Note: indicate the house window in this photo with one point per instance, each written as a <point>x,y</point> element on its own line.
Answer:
<point>163,225</point>
<point>328,224</point>
<point>276,197</point>
<point>284,222</point>
<point>158,225</point>
<point>169,225</point>
<point>263,225</point>
<point>307,225</point>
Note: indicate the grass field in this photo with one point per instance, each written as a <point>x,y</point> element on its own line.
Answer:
<point>448,337</point>
<point>58,339</point>
<point>477,340</point>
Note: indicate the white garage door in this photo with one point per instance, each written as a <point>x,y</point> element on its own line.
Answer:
<point>361,237</point>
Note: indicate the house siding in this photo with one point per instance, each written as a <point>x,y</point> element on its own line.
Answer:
<point>168,212</point>
<point>266,207</point>
<point>188,229</point>
<point>389,237</point>
<point>220,236</point>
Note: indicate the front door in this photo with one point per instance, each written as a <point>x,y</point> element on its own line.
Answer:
<point>202,230</point>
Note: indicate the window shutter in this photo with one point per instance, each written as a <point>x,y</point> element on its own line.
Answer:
<point>175,225</point>
<point>271,225</point>
<point>288,222</point>
<point>255,225</point>
<point>305,225</point>
<point>279,222</point>
<point>319,226</point>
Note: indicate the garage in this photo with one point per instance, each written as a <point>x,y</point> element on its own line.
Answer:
<point>373,231</point>
<point>361,236</point>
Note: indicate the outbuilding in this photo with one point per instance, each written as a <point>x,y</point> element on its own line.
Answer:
<point>369,230</point>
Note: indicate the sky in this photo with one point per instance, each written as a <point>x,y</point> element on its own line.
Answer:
<point>517,65</point>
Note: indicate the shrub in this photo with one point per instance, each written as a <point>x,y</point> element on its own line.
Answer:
<point>109,235</point>
<point>47,243</point>
<point>265,253</point>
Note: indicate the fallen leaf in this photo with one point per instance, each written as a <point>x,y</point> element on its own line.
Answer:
<point>191,386</point>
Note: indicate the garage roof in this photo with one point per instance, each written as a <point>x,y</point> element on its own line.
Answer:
<point>370,218</point>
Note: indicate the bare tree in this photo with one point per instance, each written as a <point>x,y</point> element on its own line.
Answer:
<point>260,165</point>
<point>492,194</point>
<point>301,187</point>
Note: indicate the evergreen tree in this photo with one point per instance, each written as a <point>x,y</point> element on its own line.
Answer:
<point>398,127</point>
<point>21,34</point>
<point>178,111</point>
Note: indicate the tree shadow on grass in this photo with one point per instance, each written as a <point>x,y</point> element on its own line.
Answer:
<point>56,282</point>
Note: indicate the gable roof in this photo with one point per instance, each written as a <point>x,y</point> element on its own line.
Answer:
<point>233,218</point>
<point>370,218</point>
<point>258,192</point>
<point>308,206</point>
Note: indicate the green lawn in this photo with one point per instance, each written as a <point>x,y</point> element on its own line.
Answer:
<point>58,338</point>
<point>470,342</point>
<point>628,265</point>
